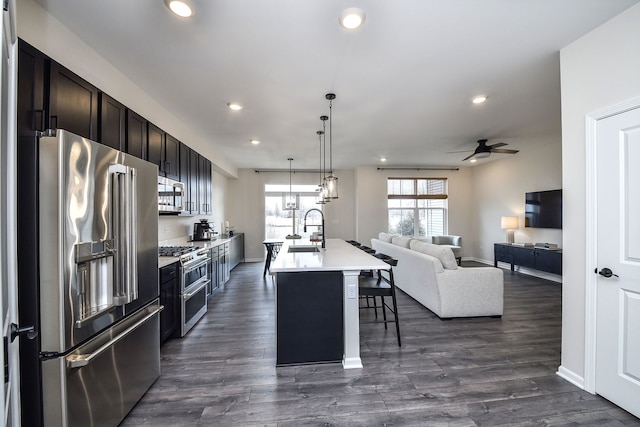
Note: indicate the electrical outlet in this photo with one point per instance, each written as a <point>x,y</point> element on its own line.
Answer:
<point>351,291</point>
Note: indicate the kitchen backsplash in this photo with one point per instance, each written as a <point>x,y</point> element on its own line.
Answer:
<point>171,226</point>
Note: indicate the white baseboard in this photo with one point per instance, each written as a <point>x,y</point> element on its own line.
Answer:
<point>571,376</point>
<point>253,260</point>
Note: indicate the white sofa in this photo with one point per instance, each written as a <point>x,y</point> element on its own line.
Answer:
<point>430,274</point>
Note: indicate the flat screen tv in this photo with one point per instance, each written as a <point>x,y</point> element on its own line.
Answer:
<point>543,209</point>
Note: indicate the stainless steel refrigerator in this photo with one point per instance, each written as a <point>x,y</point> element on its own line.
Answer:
<point>99,346</point>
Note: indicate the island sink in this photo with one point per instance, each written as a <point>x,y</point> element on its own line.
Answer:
<point>306,248</point>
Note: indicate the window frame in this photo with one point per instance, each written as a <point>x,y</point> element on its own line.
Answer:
<point>415,196</point>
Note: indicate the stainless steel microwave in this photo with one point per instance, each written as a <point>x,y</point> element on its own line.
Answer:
<point>170,196</point>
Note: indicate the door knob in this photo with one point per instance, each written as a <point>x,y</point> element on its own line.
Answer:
<point>606,272</point>
<point>29,331</point>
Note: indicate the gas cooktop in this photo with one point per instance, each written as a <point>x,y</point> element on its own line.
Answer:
<point>176,251</point>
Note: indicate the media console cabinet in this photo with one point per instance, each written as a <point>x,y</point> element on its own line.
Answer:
<point>546,260</point>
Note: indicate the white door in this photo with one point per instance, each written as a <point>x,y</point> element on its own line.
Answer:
<point>618,260</point>
<point>8,350</point>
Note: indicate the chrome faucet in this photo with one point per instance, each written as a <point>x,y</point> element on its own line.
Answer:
<point>315,225</point>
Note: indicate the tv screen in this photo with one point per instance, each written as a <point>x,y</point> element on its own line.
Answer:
<point>543,209</point>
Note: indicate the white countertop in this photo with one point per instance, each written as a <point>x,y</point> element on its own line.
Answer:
<point>337,256</point>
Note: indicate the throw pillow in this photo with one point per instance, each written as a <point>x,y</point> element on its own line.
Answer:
<point>385,237</point>
<point>443,253</point>
<point>401,241</point>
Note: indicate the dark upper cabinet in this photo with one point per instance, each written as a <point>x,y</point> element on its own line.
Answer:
<point>112,122</point>
<point>189,177</point>
<point>73,103</point>
<point>136,135</point>
<point>32,111</point>
<point>204,184</point>
<point>164,151</point>
<point>172,157</point>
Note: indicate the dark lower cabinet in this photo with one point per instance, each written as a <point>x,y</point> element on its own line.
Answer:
<point>169,299</point>
<point>528,257</point>
<point>309,317</point>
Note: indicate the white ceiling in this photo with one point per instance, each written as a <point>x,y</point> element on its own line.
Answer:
<point>404,81</point>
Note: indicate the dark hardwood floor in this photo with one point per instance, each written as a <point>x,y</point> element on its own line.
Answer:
<point>461,372</point>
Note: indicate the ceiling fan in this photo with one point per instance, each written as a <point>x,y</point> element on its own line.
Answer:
<point>483,150</point>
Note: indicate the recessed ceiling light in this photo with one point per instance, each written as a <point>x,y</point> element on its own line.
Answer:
<point>479,99</point>
<point>255,141</point>
<point>473,160</point>
<point>180,8</point>
<point>383,159</point>
<point>234,106</point>
<point>352,18</point>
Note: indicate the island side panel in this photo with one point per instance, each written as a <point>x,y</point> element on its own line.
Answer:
<point>351,359</point>
<point>309,317</point>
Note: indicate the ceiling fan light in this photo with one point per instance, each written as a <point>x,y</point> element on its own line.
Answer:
<point>352,18</point>
<point>482,155</point>
<point>180,8</point>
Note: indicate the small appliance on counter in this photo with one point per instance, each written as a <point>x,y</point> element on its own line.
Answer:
<point>203,230</point>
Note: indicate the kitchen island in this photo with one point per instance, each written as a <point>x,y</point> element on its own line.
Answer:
<point>317,314</point>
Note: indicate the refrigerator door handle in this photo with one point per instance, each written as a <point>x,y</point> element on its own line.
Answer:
<point>124,221</point>
<point>80,360</point>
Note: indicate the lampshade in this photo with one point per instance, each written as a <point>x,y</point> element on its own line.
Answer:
<point>509,222</point>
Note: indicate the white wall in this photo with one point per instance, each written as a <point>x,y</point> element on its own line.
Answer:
<point>498,189</point>
<point>598,70</point>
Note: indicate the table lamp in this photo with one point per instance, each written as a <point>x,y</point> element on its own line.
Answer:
<point>509,223</point>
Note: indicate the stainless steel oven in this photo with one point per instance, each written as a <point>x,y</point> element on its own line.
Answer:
<point>193,291</point>
<point>193,280</point>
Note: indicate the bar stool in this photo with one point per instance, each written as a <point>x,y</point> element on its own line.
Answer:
<point>381,285</point>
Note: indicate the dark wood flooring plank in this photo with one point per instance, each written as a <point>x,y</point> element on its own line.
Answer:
<point>460,372</point>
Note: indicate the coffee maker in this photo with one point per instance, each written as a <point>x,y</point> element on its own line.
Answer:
<point>202,230</point>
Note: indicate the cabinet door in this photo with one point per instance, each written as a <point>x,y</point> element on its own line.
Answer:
<point>136,139</point>
<point>524,257</point>
<point>31,110</point>
<point>502,253</point>
<point>171,157</point>
<point>550,261</point>
<point>204,181</point>
<point>112,122</point>
<point>185,175</point>
<point>73,103</point>
<point>155,139</point>
<point>194,182</point>
<point>169,299</point>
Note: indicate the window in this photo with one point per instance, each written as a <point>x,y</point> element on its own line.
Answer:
<point>278,222</point>
<point>417,206</point>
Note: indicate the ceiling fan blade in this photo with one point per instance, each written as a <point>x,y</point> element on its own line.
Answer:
<point>461,151</point>
<point>468,157</point>
<point>499,144</point>
<point>503,151</point>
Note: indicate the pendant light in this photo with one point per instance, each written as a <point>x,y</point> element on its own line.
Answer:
<point>320,196</point>
<point>331,181</point>
<point>290,201</point>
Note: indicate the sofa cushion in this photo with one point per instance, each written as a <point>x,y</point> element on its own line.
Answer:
<point>401,241</point>
<point>443,253</point>
<point>385,237</point>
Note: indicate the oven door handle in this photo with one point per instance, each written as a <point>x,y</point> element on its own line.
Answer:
<point>198,289</point>
<point>198,265</point>
<point>80,360</point>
